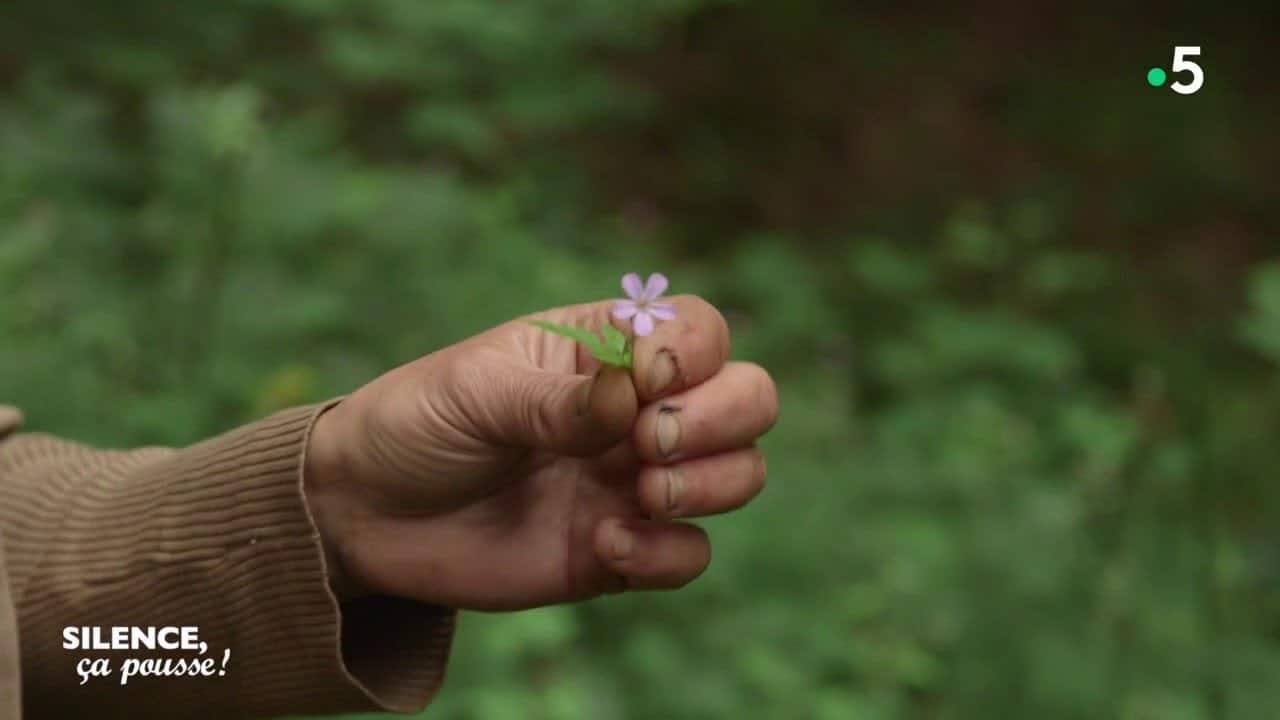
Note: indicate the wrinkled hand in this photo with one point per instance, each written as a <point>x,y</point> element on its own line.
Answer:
<point>511,471</point>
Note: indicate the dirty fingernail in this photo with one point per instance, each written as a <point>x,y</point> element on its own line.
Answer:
<point>662,371</point>
<point>622,542</point>
<point>675,489</point>
<point>667,432</point>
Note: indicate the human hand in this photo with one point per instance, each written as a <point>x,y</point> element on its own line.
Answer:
<point>511,470</point>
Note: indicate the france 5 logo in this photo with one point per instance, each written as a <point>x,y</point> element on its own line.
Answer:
<point>1156,77</point>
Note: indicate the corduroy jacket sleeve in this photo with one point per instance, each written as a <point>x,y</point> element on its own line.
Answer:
<point>216,536</point>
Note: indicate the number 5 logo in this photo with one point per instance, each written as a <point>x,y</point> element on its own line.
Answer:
<point>1182,64</point>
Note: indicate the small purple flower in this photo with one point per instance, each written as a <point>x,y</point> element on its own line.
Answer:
<point>643,308</point>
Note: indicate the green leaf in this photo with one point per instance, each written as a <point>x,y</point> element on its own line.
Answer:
<point>603,350</point>
<point>614,338</point>
<point>577,334</point>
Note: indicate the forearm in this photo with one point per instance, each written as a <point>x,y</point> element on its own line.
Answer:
<point>216,536</point>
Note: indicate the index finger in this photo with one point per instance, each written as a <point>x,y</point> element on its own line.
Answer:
<point>682,352</point>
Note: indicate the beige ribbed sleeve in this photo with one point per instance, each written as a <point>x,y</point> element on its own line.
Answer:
<point>216,536</point>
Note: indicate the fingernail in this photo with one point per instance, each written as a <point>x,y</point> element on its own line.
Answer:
<point>667,432</point>
<point>622,541</point>
<point>675,489</point>
<point>662,371</point>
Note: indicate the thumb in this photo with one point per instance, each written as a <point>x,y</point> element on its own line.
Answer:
<point>569,414</point>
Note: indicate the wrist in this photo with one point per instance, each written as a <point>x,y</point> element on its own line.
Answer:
<point>325,487</point>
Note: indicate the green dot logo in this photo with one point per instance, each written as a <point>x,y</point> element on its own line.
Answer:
<point>1155,77</point>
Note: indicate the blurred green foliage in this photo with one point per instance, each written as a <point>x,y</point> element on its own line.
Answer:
<point>1020,307</point>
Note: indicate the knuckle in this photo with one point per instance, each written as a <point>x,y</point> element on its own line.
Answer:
<point>697,303</point>
<point>679,582</point>
<point>687,560</point>
<point>704,560</point>
<point>759,471</point>
<point>706,329</point>
<point>719,337</point>
<point>746,484</point>
<point>764,395</point>
<point>687,575</point>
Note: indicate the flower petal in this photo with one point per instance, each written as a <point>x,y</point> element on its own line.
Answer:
<point>623,309</point>
<point>632,286</point>
<point>662,310</point>
<point>655,287</point>
<point>643,324</point>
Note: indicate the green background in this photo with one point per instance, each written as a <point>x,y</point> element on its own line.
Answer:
<point>1023,309</point>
